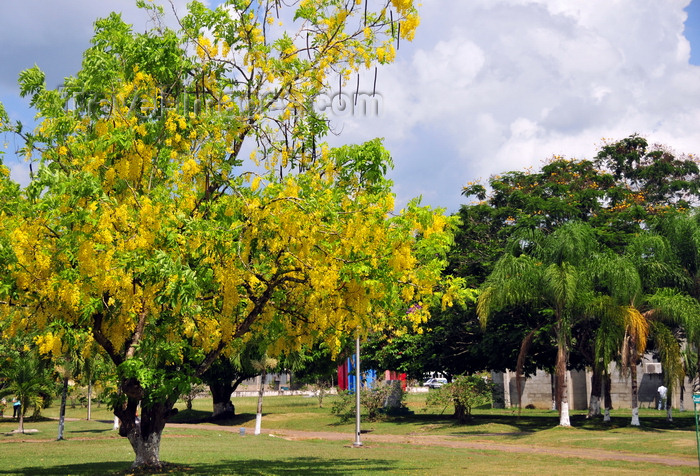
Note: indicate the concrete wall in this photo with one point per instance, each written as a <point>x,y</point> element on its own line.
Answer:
<point>538,389</point>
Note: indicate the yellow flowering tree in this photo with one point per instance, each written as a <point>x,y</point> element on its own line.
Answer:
<point>183,206</point>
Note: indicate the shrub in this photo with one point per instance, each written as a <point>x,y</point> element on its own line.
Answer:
<point>374,401</point>
<point>344,406</point>
<point>465,392</point>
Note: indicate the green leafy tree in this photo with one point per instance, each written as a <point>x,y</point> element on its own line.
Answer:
<point>466,392</point>
<point>654,177</point>
<point>616,192</point>
<point>148,224</point>
<point>552,275</point>
<point>28,379</point>
<point>225,374</point>
<point>446,343</point>
<point>314,366</point>
<point>637,302</point>
<point>683,234</point>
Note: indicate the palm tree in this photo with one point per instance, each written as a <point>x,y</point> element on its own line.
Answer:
<point>551,274</point>
<point>622,329</point>
<point>263,365</point>
<point>670,301</point>
<point>669,307</point>
<point>71,362</point>
<point>682,231</point>
<point>28,380</point>
<point>633,347</point>
<point>669,351</point>
<point>609,334</point>
<point>631,309</point>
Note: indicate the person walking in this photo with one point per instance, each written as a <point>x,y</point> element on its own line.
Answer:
<point>662,397</point>
<point>16,407</point>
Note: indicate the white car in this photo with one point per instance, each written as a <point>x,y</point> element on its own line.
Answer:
<point>435,382</point>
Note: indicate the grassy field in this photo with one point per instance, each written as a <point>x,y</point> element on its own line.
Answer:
<point>92,447</point>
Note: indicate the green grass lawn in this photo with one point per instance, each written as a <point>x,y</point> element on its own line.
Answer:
<point>92,447</point>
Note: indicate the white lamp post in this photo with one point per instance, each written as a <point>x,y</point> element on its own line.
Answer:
<point>358,382</point>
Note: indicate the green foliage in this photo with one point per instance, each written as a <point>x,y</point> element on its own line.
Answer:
<point>373,400</point>
<point>194,391</point>
<point>146,227</point>
<point>159,383</point>
<point>363,166</point>
<point>29,379</point>
<point>465,392</point>
<point>314,367</point>
<point>344,406</point>
<point>662,178</point>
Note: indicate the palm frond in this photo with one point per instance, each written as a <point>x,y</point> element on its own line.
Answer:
<point>484,304</point>
<point>683,234</point>
<point>525,241</point>
<point>656,260</point>
<point>561,284</point>
<point>669,351</point>
<point>512,281</point>
<point>673,306</point>
<point>618,277</point>
<point>573,243</point>
<point>637,327</point>
<point>610,333</point>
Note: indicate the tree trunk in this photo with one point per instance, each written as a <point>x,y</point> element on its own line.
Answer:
<point>62,411</point>
<point>261,391</point>
<point>606,395</point>
<point>555,391</point>
<point>89,397</point>
<point>506,389</point>
<point>669,414</point>
<point>635,394</point>
<point>562,383</point>
<point>22,409</point>
<point>221,391</point>
<point>461,412</point>
<point>144,433</point>
<point>596,392</point>
<point>147,449</point>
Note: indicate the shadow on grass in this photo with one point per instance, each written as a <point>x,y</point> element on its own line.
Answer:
<point>525,424</point>
<point>105,430</point>
<point>529,422</point>
<point>508,422</point>
<point>200,416</point>
<point>83,468</point>
<point>305,466</point>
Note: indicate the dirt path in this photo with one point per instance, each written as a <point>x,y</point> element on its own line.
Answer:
<point>456,442</point>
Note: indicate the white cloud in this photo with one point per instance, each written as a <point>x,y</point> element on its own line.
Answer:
<point>503,85</point>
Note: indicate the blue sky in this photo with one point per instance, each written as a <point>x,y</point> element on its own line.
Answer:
<point>692,31</point>
<point>487,86</point>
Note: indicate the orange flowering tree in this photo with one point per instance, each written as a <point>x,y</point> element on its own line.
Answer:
<point>183,205</point>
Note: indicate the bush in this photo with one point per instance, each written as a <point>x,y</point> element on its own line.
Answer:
<point>465,393</point>
<point>374,401</point>
<point>344,406</point>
